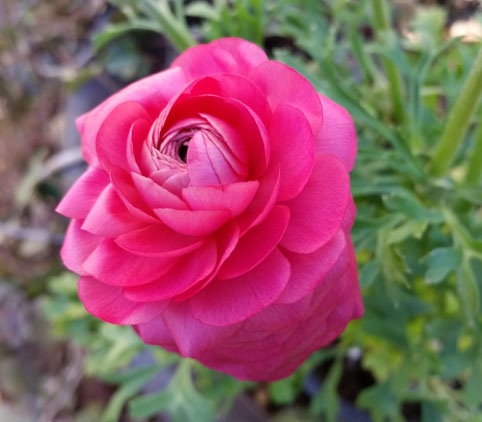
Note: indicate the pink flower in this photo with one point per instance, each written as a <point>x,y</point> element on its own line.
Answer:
<point>215,213</point>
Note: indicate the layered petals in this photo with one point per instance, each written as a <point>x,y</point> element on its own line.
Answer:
<point>214,217</point>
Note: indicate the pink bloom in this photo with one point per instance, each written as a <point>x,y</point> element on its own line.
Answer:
<point>215,213</point>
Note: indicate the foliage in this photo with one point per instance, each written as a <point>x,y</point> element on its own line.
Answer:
<point>418,236</point>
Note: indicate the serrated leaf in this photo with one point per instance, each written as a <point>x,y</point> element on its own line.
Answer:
<point>440,262</point>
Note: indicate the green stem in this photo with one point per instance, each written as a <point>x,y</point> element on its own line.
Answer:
<point>458,120</point>
<point>474,169</point>
<point>394,78</point>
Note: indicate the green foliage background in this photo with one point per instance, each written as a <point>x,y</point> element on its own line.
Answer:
<point>418,237</point>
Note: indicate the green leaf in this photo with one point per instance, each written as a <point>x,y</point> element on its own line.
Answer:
<point>150,405</point>
<point>325,401</point>
<point>136,380</point>
<point>406,203</point>
<point>369,273</point>
<point>180,399</point>
<point>284,391</point>
<point>380,400</point>
<point>440,262</point>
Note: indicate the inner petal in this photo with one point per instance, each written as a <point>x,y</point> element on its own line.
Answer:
<point>207,163</point>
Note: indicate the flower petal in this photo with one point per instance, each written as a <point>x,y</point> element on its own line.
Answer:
<point>78,245</point>
<point>263,201</point>
<point>155,195</point>
<point>158,240</point>
<point>226,55</point>
<point>256,244</point>
<point>113,265</point>
<point>109,304</point>
<point>80,198</point>
<point>109,217</point>
<point>234,86</point>
<point>192,336</point>
<point>293,147</point>
<point>226,302</point>
<point>152,92</point>
<point>318,211</point>
<point>185,273</point>
<point>308,270</point>
<point>297,91</point>
<point>114,133</point>
<point>234,197</point>
<point>338,135</point>
<point>193,223</point>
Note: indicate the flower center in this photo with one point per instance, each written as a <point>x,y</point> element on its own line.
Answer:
<point>182,151</point>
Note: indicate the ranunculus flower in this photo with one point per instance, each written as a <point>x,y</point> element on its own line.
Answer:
<point>215,213</point>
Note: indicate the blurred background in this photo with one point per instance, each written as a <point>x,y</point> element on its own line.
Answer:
<point>398,67</point>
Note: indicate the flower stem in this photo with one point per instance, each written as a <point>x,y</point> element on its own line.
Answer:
<point>458,120</point>
<point>474,169</point>
<point>394,78</point>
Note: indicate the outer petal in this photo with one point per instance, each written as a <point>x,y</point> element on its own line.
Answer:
<point>296,91</point>
<point>226,240</point>
<point>130,195</point>
<point>153,93</point>
<point>184,274</point>
<point>192,336</point>
<point>227,55</point>
<point>80,198</point>
<point>113,265</point>
<point>109,217</point>
<point>230,301</point>
<point>114,133</point>
<point>109,304</point>
<point>293,148</point>
<point>256,244</point>
<point>337,136</point>
<point>318,212</point>
<point>263,201</point>
<point>78,245</point>
<point>308,270</point>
